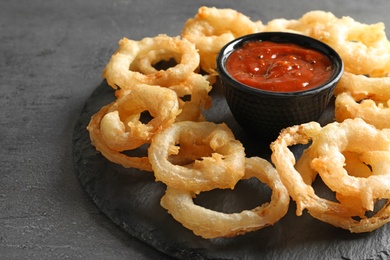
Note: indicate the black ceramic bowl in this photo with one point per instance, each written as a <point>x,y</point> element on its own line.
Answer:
<point>264,113</point>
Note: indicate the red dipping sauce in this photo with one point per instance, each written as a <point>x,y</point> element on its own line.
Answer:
<point>278,67</point>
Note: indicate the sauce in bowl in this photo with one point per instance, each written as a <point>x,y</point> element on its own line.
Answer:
<point>278,67</point>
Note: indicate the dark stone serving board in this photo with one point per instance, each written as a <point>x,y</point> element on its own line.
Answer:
<point>131,199</point>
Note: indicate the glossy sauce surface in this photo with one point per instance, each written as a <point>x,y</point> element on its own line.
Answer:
<point>278,67</point>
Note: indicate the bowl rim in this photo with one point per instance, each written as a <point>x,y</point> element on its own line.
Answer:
<point>280,37</point>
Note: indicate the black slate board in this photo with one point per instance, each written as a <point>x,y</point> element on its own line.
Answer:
<point>131,199</point>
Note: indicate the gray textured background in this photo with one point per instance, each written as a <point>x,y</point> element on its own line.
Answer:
<point>51,57</point>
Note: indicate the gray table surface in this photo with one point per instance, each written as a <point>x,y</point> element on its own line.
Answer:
<point>52,54</point>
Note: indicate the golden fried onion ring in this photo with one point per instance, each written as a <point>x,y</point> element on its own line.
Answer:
<point>117,126</point>
<point>372,147</point>
<point>362,87</point>
<point>298,182</point>
<point>192,91</point>
<point>121,128</point>
<point>118,71</point>
<point>211,224</point>
<point>212,28</point>
<point>374,113</point>
<point>193,97</point>
<point>146,62</point>
<point>364,97</point>
<point>220,164</point>
<point>112,155</point>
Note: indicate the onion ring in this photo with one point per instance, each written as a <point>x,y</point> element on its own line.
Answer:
<point>362,87</point>
<point>193,97</point>
<point>376,114</point>
<point>112,155</point>
<point>222,161</point>
<point>211,224</point>
<point>118,71</point>
<point>146,62</point>
<point>212,28</point>
<point>117,126</point>
<point>122,129</point>
<point>364,48</point>
<point>364,97</point>
<point>372,146</point>
<point>338,214</point>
